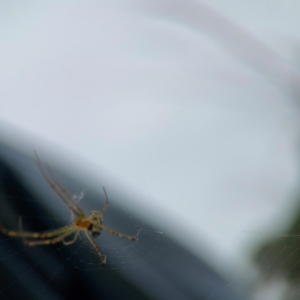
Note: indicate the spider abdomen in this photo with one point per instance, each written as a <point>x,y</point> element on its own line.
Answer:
<point>95,231</point>
<point>96,220</point>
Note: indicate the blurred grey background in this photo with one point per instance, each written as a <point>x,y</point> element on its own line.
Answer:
<point>191,104</point>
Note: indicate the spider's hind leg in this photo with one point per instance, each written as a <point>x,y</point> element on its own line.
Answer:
<point>68,243</point>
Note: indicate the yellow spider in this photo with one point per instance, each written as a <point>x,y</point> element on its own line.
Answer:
<point>91,225</point>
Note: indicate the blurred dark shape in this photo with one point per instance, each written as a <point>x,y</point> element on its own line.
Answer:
<point>44,273</point>
<point>279,259</point>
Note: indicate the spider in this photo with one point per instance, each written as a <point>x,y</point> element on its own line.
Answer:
<point>91,225</point>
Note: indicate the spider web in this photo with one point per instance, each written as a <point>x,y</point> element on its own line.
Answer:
<point>154,263</point>
<point>47,272</point>
<point>80,257</point>
<point>278,262</point>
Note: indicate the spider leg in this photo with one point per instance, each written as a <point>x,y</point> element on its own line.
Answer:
<point>73,240</point>
<point>102,257</point>
<point>71,201</point>
<point>53,233</point>
<point>58,188</point>
<point>105,204</point>
<point>124,236</point>
<point>34,235</point>
<point>50,241</point>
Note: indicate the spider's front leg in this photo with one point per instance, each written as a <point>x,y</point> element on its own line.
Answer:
<point>121,235</point>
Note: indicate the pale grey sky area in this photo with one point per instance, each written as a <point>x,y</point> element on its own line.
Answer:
<point>162,101</point>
